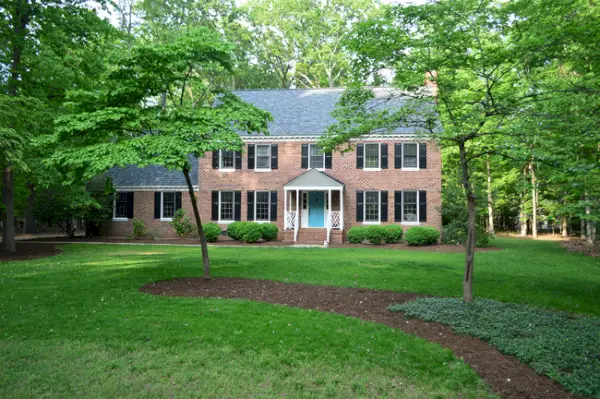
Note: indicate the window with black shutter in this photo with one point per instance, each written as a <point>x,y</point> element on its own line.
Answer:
<point>384,156</point>
<point>120,206</point>
<point>263,157</point>
<point>273,215</point>
<point>360,206</point>
<point>422,206</point>
<point>227,159</point>
<point>226,205</point>
<point>397,206</point>
<point>274,156</point>
<point>328,160</point>
<point>250,205</point>
<point>422,156</point>
<point>237,205</point>
<point>410,157</point>
<point>398,155</point>
<point>304,164</point>
<point>360,154</point>
<point>383,201</point>
<point>251,151</point>
<point>316,157</point>
<point>262,205</point>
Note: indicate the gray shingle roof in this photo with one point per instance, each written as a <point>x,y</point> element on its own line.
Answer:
<point>152,176</point>
<point>307,112</point>
<point>313,178</point>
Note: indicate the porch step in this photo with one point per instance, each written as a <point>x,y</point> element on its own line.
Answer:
<point>313,236</point>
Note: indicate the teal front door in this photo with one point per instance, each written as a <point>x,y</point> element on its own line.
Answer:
<point>316,209</point>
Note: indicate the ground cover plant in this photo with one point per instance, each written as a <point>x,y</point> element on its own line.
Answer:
<point>561,345</point>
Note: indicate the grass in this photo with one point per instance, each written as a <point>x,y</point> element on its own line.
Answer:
<point>76,324</point>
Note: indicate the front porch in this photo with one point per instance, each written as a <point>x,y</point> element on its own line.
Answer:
<point>314,209</point>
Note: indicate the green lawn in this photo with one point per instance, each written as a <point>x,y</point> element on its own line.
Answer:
<point>75,325</point>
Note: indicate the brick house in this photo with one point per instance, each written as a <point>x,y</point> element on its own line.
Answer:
<point>285,179</point>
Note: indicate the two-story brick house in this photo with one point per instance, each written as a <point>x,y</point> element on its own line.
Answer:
<point>285,179</point>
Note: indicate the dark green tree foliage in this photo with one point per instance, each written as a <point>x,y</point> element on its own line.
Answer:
<point>154,106</point>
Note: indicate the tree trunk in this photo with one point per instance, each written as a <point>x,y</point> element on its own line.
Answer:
<point>534,198</point>
<point>564,225</point>
<point>8,193</point>
<point>470,243</point>
<point>489,198</point>
<point>30,222</point>
<point>582,230</point>
<point>522,214</point>
<point>590,228</point>
<point>201,235</point>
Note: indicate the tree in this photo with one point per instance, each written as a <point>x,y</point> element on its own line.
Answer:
<point>155,106</point>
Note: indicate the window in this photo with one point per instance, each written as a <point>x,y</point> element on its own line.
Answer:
<point>263,157</point>
<point>410,157</point>
<point>372,156</point>
<point>371,206</point>
<point>316,157</point>
<point>120,206</point>
<point>262,205</point>
<point>226,205</point>
<point>227,159</point>
<point>410,206</point>
<point>304,200</point>
<point>168,205</point>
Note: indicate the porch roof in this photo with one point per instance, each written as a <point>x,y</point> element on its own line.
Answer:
<point>314,180</point>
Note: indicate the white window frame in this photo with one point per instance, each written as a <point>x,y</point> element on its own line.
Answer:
<point>223,221</point>
<point>418,161</point>
<point>365,221</point>
<point>406,222</point>
<point>115,218</point>
<point>221,167</point>
<point>162,204</point>
<point>378,168</point>
<point>268,219</point>
<point>310,157</point>
<point>256,168</point>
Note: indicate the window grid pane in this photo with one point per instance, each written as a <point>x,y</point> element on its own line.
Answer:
<point>372,206</point>
<point>317,159</point>
<point>262,205</point>
<point>168,205</point>
<point>410,155</point>
<point>121,205</point>
<point>263,156</point>
<point>227,159</point>
<point>371,155</point>
<point>226,205</point>
<point>410,206</point>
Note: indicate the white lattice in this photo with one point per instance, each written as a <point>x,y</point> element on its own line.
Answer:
<point>291,220</point>
<point>336,219</point>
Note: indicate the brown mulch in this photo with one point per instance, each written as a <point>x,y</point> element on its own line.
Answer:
<point>505,375</point>
<point>582,246</point>
<point>30,250</point>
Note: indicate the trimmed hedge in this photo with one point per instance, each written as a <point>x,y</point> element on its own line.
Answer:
<point>561,345</point>
<point>393,233</point>
<point>212,231</point>
<point>270,231</point>
<point>251,232</point>
<point>376,235</point>
<point>233,230</point>
<point>422,235</point>
<point>356,234</point>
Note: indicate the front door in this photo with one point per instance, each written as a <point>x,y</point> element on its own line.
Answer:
<point>316,209</point>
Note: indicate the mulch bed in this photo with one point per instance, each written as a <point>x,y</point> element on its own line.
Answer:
<point>30,250</point>
<point>505,375</point>
<point>582,246</point>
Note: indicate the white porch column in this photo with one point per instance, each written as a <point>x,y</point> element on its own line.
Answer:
<point>342,209</point>
<point>297,221</point>
<point>329,210</point>
<point>285,210</point>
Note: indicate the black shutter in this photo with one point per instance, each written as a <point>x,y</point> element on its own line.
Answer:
<point>397,206</point>
<point>215,159</point>
<point>130,205</point>
<point>384,206</point>
<point>178,200</point>
<point>237,205</point>
<point>360,150</point>
<point>274,156</point>
<point>360,206</point>
<point>215,206</point>
<point>250,156</point>
<point>304,156</point>
<point>250,205</point>
<point>422,206</point>
<point>273,206</point>
<point>238,159</point>
<point>398,155</point>
<point>157,205</point>
<point>384,156</point>
<point>422,156</point>
<point>328,160</point>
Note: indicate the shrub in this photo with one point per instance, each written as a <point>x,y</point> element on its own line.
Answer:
<point>375,234</point>
<point>249,232</point>
<point>182,224</point>
<point>560,345</point>
<point>233,230</point>
<point>455,233</point>
<point>356,235</point>
<point>393,233</point>
<point>269,231</point>
<point>422,235</point>
<point>212,231</point>
<point>139,229</point>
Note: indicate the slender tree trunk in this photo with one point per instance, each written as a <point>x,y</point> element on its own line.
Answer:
<point>590,228</point>
<point>582,230</point>
<point>8,228</point>
<point>201,235</point>
<point>522,214</point>
<point>30,222</point>
<point>564,225</point>
<point>470,243</point>
<point>534,198</point>
<point>490,199</point>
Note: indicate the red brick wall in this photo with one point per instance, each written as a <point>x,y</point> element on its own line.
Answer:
<point>344,169</point>
<point>143,209</point>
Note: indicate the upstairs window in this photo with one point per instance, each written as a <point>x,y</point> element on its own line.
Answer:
<point>372,156</point>
<point>410,158</point>
<point>227,159</point>
<point>263,156</point>
<point>317,157</point>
